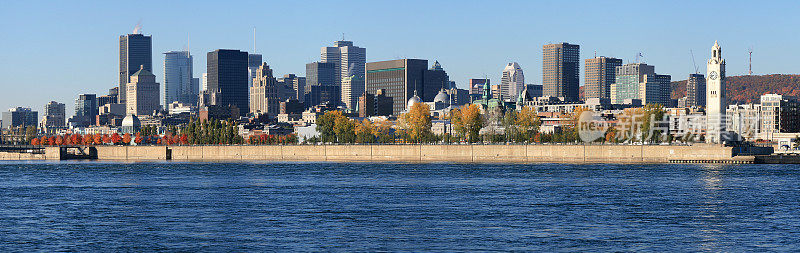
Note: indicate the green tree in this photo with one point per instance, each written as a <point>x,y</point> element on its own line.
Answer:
<point>30,133</point>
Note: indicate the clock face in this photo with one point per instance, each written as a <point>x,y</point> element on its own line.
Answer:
<point>714,75</point>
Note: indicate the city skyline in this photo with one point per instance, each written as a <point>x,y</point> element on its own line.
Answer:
<point>94,45</point>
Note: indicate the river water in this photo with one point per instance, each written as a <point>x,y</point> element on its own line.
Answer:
<point>115,207</point>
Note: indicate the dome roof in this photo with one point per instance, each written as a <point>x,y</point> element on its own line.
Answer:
<point>413,100</point>
<point>131,121</point>
<point>442,97</point>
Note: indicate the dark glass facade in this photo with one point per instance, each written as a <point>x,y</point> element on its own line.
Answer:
<point>227,78</point>
<point>135,51</point>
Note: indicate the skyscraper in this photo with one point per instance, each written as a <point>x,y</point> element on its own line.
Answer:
<point>639,81</point>
<point>560,70</point>
<point>435,80</point>
<point>135,50</point>
<point>253,63</point>
<point>319,74</point>
<point>264,96</point>
<point>204,82</point>
<point>716,99</point>
<point>179,83</point>
<point>600,74</point>
<point>400,78</point>
<point>512,82</point>
<point>54,114</point>
<point>476,85</point>
<point>85,111</point>
<point>696,90</point>
<point>351,88</point>
<point>227,78</point>
<point>143,94</point>
<point>348,60</point>
<point>19,117</point>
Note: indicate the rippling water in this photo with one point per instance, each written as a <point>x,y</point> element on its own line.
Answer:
<point>397,207</point>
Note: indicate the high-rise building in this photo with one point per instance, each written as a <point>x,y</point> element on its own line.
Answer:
<point>348,60</point>
<point>561,70</point>
<point>85,110</point>
<point>512,82</point>
<point>264,94</point>
<point>179,82</point>
<point>600,74</point>
<point>54,115</point>
<point>19,117</point>
<point>435,80</point>
<point>227,79</point>
<point>399,78</point>
<point>716,99</point>
<point>204,82</point>
<point>351,87</point>
<point>779,114</point>
<point>476,85</point>
<point>135,50</point>
<point>290,86</point>
<point>321,73</point>
<point>696,90</point>
<point>253,63</point>
<point>639,81</point>
<point>143,94</point>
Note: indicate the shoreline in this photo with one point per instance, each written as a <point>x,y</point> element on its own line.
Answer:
<point>412,153</point>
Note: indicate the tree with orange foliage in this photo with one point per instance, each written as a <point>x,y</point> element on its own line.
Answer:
<point>126,139</point>
<point>116,139</point>
<point>106,139</point>
<point>35,141</point>
<point>59,141</point>
<point>184,139</point>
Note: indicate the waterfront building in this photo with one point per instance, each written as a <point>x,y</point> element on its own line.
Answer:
<point>716,98</point>
<point>779,114</point>
<point>512,81</point>
<point>19,117</point>
<point>435,79</point>
<point>639,81</point>
<point>560,70</point>
<point>143,94</point>
<point>131,124</point>
<point>291,106</point>
<point>696,91</point>
<point>375,105</point>
<point>54,115</point>
<point>135,51</point>
<point>264,93</point>
<point>600,73</point>
<point>745,120</point>
<point>399,78</point>
<point>227,79</point>
<point>348,60</point>
<point>476,85</point>
<point>179,82</point>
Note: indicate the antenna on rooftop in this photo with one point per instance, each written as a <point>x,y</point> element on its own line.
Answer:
<point>750,61</point>
<point>254,39</point>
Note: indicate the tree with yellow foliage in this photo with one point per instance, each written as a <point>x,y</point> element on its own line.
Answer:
<point>467,122</point>
<point>527,123</point>
<point>417,123</point>
<point>365,132</point>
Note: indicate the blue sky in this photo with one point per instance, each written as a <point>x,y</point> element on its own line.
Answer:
<point>54,50</point>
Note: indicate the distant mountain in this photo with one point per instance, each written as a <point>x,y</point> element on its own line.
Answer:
<point>748,89</point>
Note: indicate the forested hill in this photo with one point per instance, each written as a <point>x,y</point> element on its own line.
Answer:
<point>748,89</point>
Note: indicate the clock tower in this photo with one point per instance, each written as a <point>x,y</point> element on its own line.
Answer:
<point>716,99</point>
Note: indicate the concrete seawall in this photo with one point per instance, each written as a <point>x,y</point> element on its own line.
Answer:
<point>428,153</point>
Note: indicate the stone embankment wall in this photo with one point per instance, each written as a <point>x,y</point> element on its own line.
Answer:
<point>423,153</point>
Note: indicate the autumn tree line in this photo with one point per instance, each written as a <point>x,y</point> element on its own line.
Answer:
<point>467,122</point>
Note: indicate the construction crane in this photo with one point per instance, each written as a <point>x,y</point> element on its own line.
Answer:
<point>750,61</point>
<point>639,55</point>
<point>693,62</point>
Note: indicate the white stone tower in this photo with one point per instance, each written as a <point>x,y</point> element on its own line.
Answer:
<point>716,99</point>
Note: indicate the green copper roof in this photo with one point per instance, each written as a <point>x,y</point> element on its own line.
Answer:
<point>382,70</point>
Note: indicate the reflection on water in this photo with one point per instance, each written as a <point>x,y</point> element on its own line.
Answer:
<point>397,207</point>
